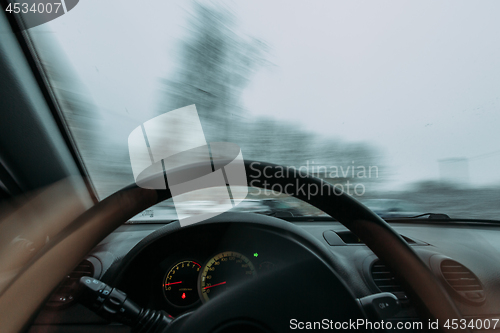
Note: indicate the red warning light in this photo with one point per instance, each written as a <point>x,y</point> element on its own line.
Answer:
<point>183,295</point>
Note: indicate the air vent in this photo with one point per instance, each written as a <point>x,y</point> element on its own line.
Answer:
<point>386,281</point>
<point>65,293</point>
<point>462,281</point>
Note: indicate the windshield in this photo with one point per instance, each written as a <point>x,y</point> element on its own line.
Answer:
<point>389,100</point>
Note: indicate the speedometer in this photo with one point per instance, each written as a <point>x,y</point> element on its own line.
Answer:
<point>224,271</point>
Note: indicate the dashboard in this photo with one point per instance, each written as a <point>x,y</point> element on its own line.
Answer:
<point>183,271</point>
<point>179,271</point>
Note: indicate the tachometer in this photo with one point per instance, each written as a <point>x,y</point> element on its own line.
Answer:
<point>224,271</point>
<point>180,284</point>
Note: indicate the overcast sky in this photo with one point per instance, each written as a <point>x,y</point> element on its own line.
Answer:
<point>420,80</point>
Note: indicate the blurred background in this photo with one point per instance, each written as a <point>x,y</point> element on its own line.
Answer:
<point>398,103</point>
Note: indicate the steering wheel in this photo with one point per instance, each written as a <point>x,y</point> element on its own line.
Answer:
<point>427,293</point>
<point>254,300</point>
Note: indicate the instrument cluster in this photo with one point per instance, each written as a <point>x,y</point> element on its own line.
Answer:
<point>187,283</point>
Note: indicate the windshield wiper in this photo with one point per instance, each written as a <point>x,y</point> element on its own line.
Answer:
<point>150,221</point>
<point>436,216</point>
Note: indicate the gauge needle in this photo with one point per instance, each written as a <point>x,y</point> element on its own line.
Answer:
<point>215,285</point>
<point>168,284</point>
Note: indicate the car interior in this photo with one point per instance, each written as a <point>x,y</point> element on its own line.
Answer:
<point>74,260</point>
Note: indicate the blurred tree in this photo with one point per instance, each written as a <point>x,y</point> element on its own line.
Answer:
<point>215,64</point>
